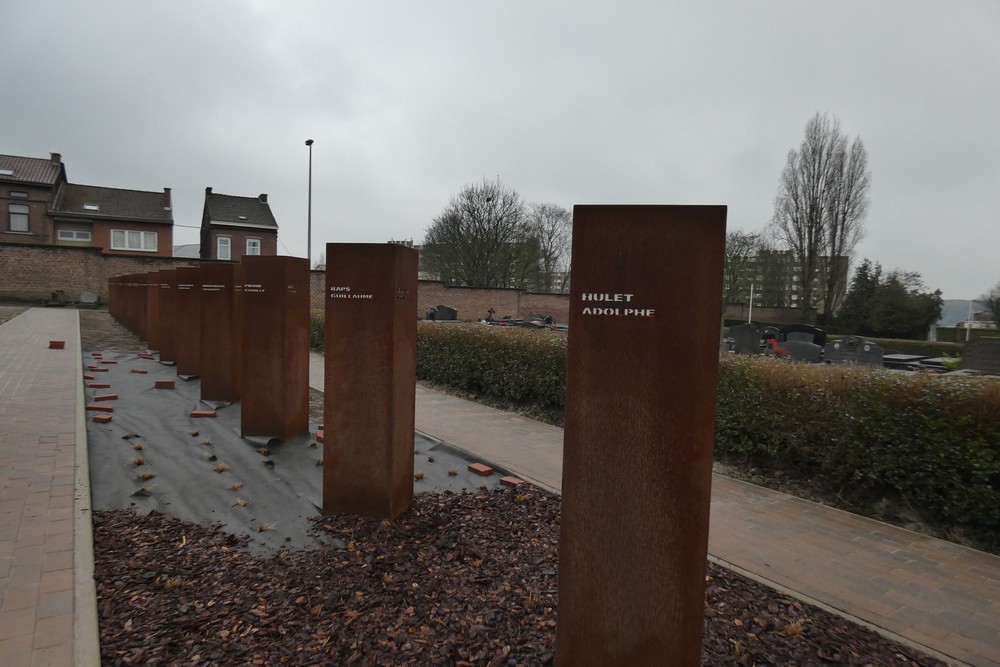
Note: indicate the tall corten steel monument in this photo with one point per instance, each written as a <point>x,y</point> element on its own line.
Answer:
<point>272,305</point>
<point>370,382</point>
<point>220,336</point>
<point>168,315</point>
<point>642,366</point>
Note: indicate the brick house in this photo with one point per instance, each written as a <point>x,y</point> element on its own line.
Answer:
<point>118,221</point>
<point>27,187</point>
<point>43,208</point>
<point>232,227</point>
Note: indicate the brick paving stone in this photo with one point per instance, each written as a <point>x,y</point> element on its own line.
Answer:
<point>16,651</point>
<point>57,655</point>
<point>38,431</point>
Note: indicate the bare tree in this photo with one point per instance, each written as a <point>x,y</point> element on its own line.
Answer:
<point>820,208</point>
<point>551,225</point>
<point>991,300</point>
<point>739,265</point>
<point>483,239</point>
<point>844,224</point>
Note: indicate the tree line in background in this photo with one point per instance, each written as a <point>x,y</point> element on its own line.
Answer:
<point>802,258</point>
<point>889,305</point>
<point>991,300</point>
<point>819,211</point>
<point>488,236</point>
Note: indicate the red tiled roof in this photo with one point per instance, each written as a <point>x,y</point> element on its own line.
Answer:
<point>35,170</point>
<point>113,203</point>
<point>223,209</point>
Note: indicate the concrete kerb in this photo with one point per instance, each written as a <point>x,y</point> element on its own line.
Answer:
<point>86,633</point>
<point>888,634</point>
<point>465,453</point>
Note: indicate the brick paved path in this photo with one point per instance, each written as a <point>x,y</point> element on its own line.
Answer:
<point>44,604</point>
<point>936,595</point>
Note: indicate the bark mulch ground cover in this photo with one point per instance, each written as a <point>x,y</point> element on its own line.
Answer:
<point>459,579</point>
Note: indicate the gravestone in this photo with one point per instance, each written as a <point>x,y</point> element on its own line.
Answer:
<point>800,350</point>
<point>981,354</point>
<point>746,338</point>
<point>853,350</point>
<point>187,322</point>
<point>88,300</point>
<point>168,291</point>
<point>772,333</point>
<point>805,332</point>
<point>637,457</point>
<point>153,310</point>
<point>220,342</point>
<point>445,313</point>
<point>903,362</point>
<point>273,305</point>
<point>370,349</point>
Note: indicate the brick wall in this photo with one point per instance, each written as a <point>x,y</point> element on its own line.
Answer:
<point>39,223</point>
<point>472,303</point>
<point>33,272</point>
<point>238,241</point>
<point>771,315</point>
<point>164,236</point>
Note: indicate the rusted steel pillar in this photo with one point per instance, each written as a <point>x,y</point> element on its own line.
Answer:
<point>187,325</point>
<point>642,366</point>
<point>220,342</point>
<point>168,301</point>
<point>370,381</point>
<point>274,362</point>
<point>153,310</point>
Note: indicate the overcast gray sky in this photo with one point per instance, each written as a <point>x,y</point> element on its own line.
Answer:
<point>566,101</point>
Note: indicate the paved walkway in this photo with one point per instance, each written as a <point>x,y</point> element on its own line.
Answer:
<point>926,592</point>
<point>48,605</point>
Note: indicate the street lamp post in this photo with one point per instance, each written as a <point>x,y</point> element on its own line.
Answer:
<point>309,218</point>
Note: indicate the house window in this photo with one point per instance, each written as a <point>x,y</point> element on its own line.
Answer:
<point>130,239</point>
<point>73,235</point>
<point>224,248</point>
<point>253,246</point>
<point>18,194</point>
<point>18,217</point>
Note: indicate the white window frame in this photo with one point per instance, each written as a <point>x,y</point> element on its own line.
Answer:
<point>224,247</point>
<point>134,240</point>
<point>76,235</point>
<point>253,246</point>
<point>19,213</point>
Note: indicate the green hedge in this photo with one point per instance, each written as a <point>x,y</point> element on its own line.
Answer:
<point>512,364</point>
<point>933,439</point>
<point>317,329</point>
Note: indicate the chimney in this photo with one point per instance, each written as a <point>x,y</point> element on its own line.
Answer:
<point>208,191</point>
<point>55,158</point>
<point>166,199</point>
<point>263,198</point>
